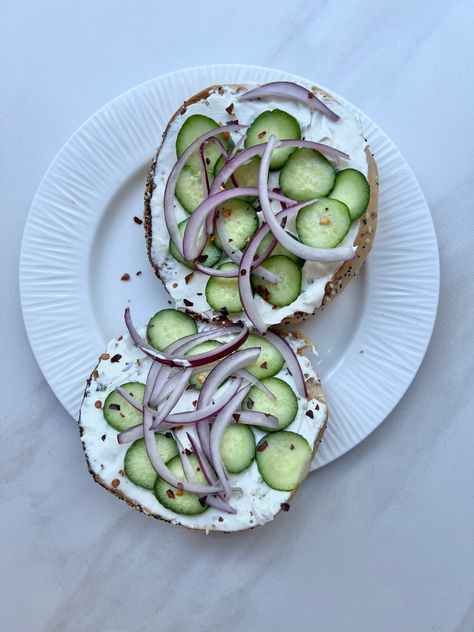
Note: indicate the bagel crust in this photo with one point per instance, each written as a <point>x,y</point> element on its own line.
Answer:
<point>340,278</point>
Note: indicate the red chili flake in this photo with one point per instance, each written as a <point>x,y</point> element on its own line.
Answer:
<point>188,277</point>
<point>250,403</point>
<point>264,365</point>
<point>285,507</point>
<point>125,277</point>
<point>114,406</point>
<point>95,374</point>
<point>220,519</point>
<point>139,273</point>
<point>115,483</point>
<point>317,406</point>
<point>229,109</point>
<point>175,285</point>
<point>180,492</point>
<point>203,258</point>
<point>103,437</point>
<point>226,136</point>
<point>194,402</point>
<point>179,427</point>
<point>137,220</point>
<point>104,356</point>
<point>170,493</point>
<point>274,306</point>
<point>116,358</point>
<point>262,134</point>
<point>243,272</point>
<point>188,303</point>
<point>227,212</point>
<point>236,416</point>
<point>310,414</point>
<point>262,446</point>
<point>208,162</point>
<point>98,404</point>
<point>230,240</point>
<point>188,451</point>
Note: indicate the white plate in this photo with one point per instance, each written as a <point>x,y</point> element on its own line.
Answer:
<point>80,237</point>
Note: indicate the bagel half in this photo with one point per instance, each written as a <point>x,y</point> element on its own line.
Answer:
<point>334,277</point>
<point>105,457</point>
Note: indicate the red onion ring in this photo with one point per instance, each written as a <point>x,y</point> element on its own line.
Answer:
<point>168,200</point>
<point>194,239</point>
<point>292,91</point>
<point>245,288</point>
<point>291,359</point>
<point>215,378</point>
<point>254,418</point>
<point>246,375</point>
<point>180,361</point>
<point>244,156</point>
<point>323,255</point>
<point>203,171</point>
<point>221,422</point>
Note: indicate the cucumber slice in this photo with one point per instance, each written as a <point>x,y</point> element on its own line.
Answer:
<point>187,503</point>
<point>270,360</point>
<point>283,460</point>
<point>353,190</point>
<point>282,125</point>
<point>193,127</point>
<point>167,326</point>
<point>137,465</point>
<point>279,250</point>
<point>288,287</point>
<point>285,406</point>
<point>189,189</point>
<point>246,175</point>
<point>307,174</point>
<point>210,255</point>
<point>223,294</point>
<point>323,224</point>
<point>198,379</point>
<point>118,412</point>
<point>237,448</point>
<point>240,221</point>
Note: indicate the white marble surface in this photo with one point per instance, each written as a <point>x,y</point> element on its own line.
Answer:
<point>382,538</point>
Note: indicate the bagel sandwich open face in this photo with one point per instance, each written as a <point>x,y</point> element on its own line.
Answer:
<point>263,466</point>
<point>344,217</point>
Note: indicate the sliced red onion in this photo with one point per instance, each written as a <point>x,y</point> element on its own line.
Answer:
<point>223,419</point>
<point>199,359</point>
<point>246,375</point>
<point>323,255</point>
<point>176,419</point>
<point>220,504</point>
<point>225,274</point>
<point>194,239</point>
<point>204,464</point>
<point>236,255</point>
<point>188,468</point>
<point>168,200</point>
<point>290,90</point>
<point>237,146</point>
<point>240,159</point>
<point>291,359</point>
<point>245,288</point>
<point>164,472</point>
<point>215,378</point>
<point>254,418</point>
